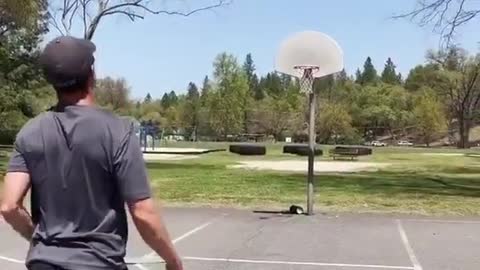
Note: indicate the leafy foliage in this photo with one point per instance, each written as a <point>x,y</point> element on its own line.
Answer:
<point>429,116</point>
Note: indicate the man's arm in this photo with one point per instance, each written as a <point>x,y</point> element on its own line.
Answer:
<point>132,179</point>
<point>16,186</point>
<point>153,231</point>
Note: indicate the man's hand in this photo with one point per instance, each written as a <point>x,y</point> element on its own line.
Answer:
<point>16,187</point>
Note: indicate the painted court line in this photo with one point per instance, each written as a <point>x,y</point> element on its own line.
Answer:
<point>180,238</point>
<point>297,263</point>
<point>443,221</point>
<point>408,247</point>
<point>7,259</point>
<point>141,267</point>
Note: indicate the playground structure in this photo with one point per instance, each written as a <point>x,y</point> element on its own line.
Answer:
<point>147,128</point>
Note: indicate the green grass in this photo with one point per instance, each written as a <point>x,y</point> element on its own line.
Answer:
<point>413,183</point>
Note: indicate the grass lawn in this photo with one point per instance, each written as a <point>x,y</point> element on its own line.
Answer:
<point>414,183</point>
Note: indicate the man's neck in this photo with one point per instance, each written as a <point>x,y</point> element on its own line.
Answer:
<point>74,100</point>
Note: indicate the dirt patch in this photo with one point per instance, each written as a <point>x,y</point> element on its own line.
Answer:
<point>444,154</point>
<point>301,166</point>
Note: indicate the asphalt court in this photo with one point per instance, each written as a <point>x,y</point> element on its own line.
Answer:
<point>229,239</point>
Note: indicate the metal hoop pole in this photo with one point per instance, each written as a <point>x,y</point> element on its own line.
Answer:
<point>307,85</point>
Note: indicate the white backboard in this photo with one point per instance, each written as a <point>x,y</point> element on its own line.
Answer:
<point>309,48</point>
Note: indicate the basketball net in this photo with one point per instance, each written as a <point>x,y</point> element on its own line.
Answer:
<point>307,79</point>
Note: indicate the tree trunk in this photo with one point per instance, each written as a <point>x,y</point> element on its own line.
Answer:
<point>463,130</point>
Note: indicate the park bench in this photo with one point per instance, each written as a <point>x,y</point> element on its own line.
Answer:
<point>349,152</point>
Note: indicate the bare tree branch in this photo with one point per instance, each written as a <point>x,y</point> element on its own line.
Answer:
<point>447,16</point>
<point>53,21</point>
<point>63,16</point>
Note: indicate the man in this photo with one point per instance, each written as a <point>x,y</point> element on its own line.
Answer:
<point>83,165</point>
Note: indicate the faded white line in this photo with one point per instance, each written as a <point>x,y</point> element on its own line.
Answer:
<point>183,236</point>
<point>12,260</point>
<point>443,221</point>
<point>141,267</point>
<point>298,263</point>
<point>408,247</point>
<point>195,230</point>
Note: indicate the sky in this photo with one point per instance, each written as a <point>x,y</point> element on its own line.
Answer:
<point>163,53</point>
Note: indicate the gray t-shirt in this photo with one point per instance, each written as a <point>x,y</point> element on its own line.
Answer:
<point>85,164</point>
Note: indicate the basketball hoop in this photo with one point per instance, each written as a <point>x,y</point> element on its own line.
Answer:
<point>307,78</point>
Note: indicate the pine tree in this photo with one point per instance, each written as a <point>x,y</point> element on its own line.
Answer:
<point>358,76</point>
<point>191,111</point>
<point>172,98</point>
<point>369,74</point>
<point>192,92</point>
<point>206,87</point>
<point>165,101</point>
<point>249,67</point>
<point>252,78</point>
<point>148,99</point>
<point>341,77</point>
<point>389,74</point>
<point>258,90</point>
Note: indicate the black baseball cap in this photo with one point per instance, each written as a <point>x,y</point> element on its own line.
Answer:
<point>67,60</point>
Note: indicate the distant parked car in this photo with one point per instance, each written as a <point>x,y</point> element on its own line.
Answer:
<point>404,143</point>
<point>378,144</point>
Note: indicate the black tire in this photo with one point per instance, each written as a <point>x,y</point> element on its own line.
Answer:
<point>248,149</point>
<point>300,149</point>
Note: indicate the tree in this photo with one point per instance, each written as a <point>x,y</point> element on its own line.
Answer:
<point>113,94</point>
<point>271,84</point>
<point>459,82</point>
<point>226,102</point>
<point>165,102</point>
<point>422,75</point>
<point>369,74</point>
<point>64,15</point>
<point>22,14</point>
<point>258,92</point>
<point>172,98</point>
<point>446,16</point>
<point>429,116</point>
<point>23,89</point>
<point>252,80</point>
<point>172,120</point>
<point>380,108</point>
<point>206,87</point>
<point>358,76</point>
<point>148,99</point>
<point>389,74</point>
<point>249,69</point>
<point>191,111</point>
<point>333,121</point>
<point>274,116</point>
<point>342,77</point>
